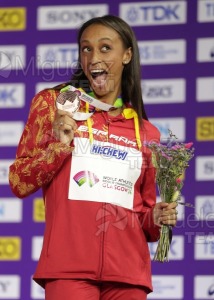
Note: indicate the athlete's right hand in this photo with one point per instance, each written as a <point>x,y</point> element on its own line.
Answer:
<point>64,127</point>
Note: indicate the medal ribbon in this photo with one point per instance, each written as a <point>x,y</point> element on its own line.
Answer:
<point>88,98</point>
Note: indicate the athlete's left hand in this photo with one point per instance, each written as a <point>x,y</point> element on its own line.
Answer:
<point>165,213</point>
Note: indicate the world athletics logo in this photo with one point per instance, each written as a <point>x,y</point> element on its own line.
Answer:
<point>86,176</point>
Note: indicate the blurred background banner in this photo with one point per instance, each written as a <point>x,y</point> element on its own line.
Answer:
<point>176,40</point>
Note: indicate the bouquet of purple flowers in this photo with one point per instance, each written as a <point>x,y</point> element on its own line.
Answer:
<point>170,161</point>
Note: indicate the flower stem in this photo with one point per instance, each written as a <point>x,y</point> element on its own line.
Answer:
<point>162,251</point>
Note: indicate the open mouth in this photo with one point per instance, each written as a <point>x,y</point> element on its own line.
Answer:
<point>99,76</point>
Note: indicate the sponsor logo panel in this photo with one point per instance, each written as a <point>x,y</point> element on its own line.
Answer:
<point>10,132</point>
<point>10,287</point>
<point>205,129</point>
<point>36,247</point>
<point>153,13</point>
<point>12,95</point>
<point>205,89</point>
<point>10,210</point>
<point>204,247</point>
<point>12,18</point>
<point>67,16</point>
<point>167,287</point>
<point>12,58</point>
<point>10,248</point>
<point>205,11</point>
<point>176,248</point>
<point>162,52</point>
<point>4,170</point>
<point>203,287</point>
<point>205,50</point>
<point>157,91</point>
<point>205,168</point>
<point>57,56</point>
<point>176,125</point>
<point>38,210</point>
<point>204,208</point>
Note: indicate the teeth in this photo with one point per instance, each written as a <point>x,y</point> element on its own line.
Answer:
<point>96,71</point>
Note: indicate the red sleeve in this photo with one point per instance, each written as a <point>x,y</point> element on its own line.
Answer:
<point>39,155</point>
<point>148,189</point>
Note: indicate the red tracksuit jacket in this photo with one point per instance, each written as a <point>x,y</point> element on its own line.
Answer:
<point>99,194</point>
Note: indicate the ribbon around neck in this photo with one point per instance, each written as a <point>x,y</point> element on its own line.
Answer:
<point>117,104</point>
<point>69,100</point>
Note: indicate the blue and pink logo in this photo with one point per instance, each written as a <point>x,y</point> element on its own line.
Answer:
<point>86,176</point>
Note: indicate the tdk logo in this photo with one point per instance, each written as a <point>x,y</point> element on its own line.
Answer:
<point>12,95</point>
<point>57,55</point>
<point>156,13</point>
